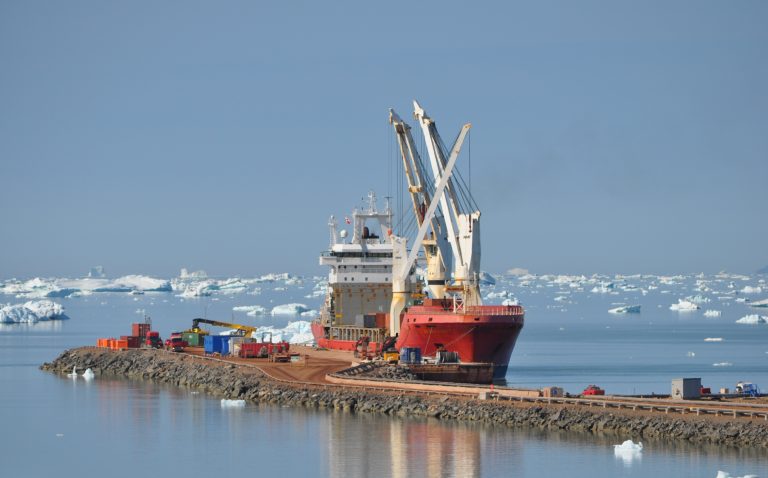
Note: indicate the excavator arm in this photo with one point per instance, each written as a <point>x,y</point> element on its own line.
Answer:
<point>245,329</point>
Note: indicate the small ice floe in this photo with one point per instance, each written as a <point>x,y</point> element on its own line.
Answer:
<point>625,309</point>
<point>251,310</point>
<point>722,364</point>
<point>74,373</point>
<point>691,354</point>
<point>289,309</point>
<point>712,313</point>
<point>683,306</point>
<point>628,451</point>
<point>88,374</point>
<point>225,403</point>
<point>713,339</point>
<point>753,319</point>
<point>725,474</point>
<point>759,303</point>
<point>752,290</point>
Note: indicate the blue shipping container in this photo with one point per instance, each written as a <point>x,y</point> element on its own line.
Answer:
<point>216,344</point>
<point>410,355</point>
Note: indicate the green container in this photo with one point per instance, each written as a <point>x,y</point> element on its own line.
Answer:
<point>193,339</point>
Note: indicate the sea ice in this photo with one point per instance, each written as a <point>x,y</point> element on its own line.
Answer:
<point>225,403</point>
<point>712,313</point>
<point>683,306</point>
<point>722,364</point>
<point>486,278</point>
<point>510,302</point>
<point>698,299</point>
<point>713,339</point>
<point>753,319</point>
<point>289,309</point>
<point>31,312</point>
<point>625,309</point>
<point>628,451</point>
<point>759,303</point>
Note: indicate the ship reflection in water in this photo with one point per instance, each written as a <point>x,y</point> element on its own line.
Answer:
<point>384,446</point>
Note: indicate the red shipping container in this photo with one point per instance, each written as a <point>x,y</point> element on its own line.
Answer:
<point>139,330</point>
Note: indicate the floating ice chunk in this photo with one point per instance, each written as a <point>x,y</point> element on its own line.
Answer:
<point>297,332</point>
<point>31,312</point>
<point>289,309</point>
<point>510,302</point>
<point>251,310</point>
<point>683,306</point>
<point>698,299</point>
<point>628,451</point>
<point>88,374</point>
<point>753,319</point>
<point>752,290</point>
<point>74,373</point>
<point>502,294</point>
<point>486,278</point>
<point>225,403</point>
<point>725,474</point>
<point>626,309</point>
<point>712,313</point>
<point>309,313</point>
<point>603,288</point>
<point>759,303</point>
<point>713,339</point>
<point>691,354</point>
<point>722,364</point>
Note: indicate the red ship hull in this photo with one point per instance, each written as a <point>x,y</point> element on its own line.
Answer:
<point>484,334</point>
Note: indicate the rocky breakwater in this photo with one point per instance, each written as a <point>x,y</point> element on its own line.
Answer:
<point>248,383</point>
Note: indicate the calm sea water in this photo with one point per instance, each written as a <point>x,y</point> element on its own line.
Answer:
<point>58,426</point>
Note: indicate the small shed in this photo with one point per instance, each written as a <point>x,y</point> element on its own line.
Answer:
<point>686,388</point>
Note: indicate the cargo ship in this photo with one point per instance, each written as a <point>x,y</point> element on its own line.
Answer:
<point>377,299</point>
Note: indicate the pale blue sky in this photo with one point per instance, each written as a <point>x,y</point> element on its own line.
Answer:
<point>607,136</point>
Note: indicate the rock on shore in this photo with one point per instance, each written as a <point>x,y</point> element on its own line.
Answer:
<point>247,383</point>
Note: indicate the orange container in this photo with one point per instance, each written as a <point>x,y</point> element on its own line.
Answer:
<point>111,343</point>
<point>121,344</point>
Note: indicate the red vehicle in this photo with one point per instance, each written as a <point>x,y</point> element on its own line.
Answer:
<point>153,340</point>
<point>593,390</point>
<point>176,343</point>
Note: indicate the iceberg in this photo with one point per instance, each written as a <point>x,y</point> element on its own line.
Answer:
<point>712,313</point>
<point>722,364</point>
<point>759,303</point>
<point>625,309</point>
<point>713,339</point>
<point>88,374</point>
<point>225,403</point>
<point>510,302</point>
<point>289,309</point>
<point>628,451</point>
<point>683,306</point>
<point>32,311</point>
<point>752,290</point>
<point>603,288</point>
<point>298,332</point>
<point>486,278</point>
<point>698,299</point>
<point>753,319</point>
<point>250,310</point>
<point>46,288</point>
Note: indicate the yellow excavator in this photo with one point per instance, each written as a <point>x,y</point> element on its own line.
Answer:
<point>243,330</point>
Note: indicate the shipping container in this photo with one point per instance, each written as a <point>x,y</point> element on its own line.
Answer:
<point>192,339</point>
<point>410,355</point>
<point>224,347</point>
<point>139,330</point>
<point>214,344</point>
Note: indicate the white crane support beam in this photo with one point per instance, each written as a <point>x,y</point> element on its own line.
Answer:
<point>442,181</point>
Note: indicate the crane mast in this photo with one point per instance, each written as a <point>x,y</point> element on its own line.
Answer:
<point>462,218</point>
<point>436,249</point>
